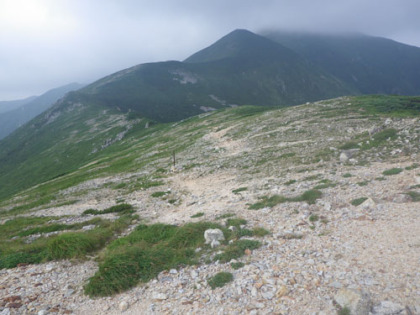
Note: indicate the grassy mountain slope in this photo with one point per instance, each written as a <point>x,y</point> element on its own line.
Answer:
<point>244,68</point>
<point>11,120</point>
<point>72,143</point>
<point>372,65</point>
<point>317,176</point>
<point>56,142</point>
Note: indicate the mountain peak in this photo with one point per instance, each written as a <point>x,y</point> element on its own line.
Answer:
<point>239,42</point>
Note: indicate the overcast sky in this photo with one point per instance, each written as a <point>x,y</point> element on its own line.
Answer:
<point>49,43</point>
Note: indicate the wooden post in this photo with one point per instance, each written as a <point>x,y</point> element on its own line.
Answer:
<point>173,156</point>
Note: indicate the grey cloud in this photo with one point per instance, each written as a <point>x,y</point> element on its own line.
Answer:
<point>85,40</point>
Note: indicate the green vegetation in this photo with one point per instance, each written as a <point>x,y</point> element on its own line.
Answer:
<point>237,250</point>
<point>415,196</point>
<point>197,215</point>
<point>238,190</point>
<point>347,175</point>
<point>237,265</point>
<point>358,201</point>
<point>290,182</point>
<point>260,232</point>
<point>392,171</point>
<point>225,216</point>
<point>158,194</point>
<point>15,251</point>
<point>220,279</point>
<point>344,311</point>
<point>325,183</point>
<point>363,183</point>
<point>309,196</point>
<point>313,217</point>
<point>237,222</point>
<point>144,253</point>
<point>412,166</point>
<point>122,208</point>
<point>149,249</point>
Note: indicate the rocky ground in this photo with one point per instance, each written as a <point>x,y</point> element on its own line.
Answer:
<point>366,256</point>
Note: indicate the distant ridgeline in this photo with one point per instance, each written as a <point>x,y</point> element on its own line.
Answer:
<point>243,68</point>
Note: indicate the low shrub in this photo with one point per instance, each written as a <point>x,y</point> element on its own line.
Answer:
<point>392,171</point>
<point>220,279</point>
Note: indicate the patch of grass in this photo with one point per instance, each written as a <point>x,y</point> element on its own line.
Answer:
<point>144,253</point>
<point>237,265</point>
<point>380,178</point>
<point>347,175</point>
<point>269,202</point>
<point>344,311</point>
<point>313,217</point>
<point>63,246</point>
<point>144,183</point>
<point>312,177</point>
<point>158,194</point>
<point>220,279</point>
<point>225,216</point>
<point>237,250</point>
<point>122,208</point>
<point>290,182</point>
<point>392,171</point>
<point>309,196</point>
<point>364,183</point>
<point>55,227</point>
<point>358,201</point>
<point>197,215</point>
<point>259,231</point>
<point>412,167</point>
<point>325,183</point>
<point>415,196</point>
<point>349,145</point>
<point>240,189</point>
<point>237,222</point>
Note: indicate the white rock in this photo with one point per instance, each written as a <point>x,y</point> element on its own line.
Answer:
<point>123,306</point>
<point>357,301</point>
<point>159,296</point>
<point>6,311</point>
<point>343,157</point>
<point>213,237</point>
<point>387,308</point>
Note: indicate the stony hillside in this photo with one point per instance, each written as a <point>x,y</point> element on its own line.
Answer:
<point>335,183</point>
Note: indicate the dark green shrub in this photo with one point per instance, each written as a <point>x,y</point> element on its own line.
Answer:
<point>220,279</point>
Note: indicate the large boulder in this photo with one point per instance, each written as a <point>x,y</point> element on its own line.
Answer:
<point>358,302</point>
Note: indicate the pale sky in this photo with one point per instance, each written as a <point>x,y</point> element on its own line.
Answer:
<point>49,43</point>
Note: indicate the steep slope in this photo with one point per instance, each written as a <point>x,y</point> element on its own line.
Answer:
<point>58,141</point>
<point>13,119</point>
<point>372,65</point>
<point>242,68</point>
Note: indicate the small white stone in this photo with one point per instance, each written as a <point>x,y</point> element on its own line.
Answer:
<point>123,306</point>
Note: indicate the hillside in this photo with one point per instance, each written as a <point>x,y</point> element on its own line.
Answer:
<point>24,111</point>
<point>370,65</point>
<point>334,183</point>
